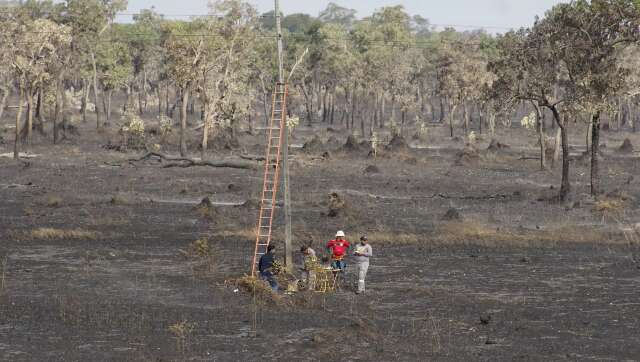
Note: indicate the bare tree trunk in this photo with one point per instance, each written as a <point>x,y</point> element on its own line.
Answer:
<point>63,109</point>
<point>465,118</point>
<point>595,146</point>
<point>56,116</point>
<point>205,135</point>
<point>565,187</point>
<point>166,101</point>
<point>353,108</point>
<point>140,110</point>
<point>375,112</point>
<point>541,136</point>
<point>144,91</point>
<point>393,108</point>
<point>109,94</point>
<point>383,107</point>
<point>183,121</point>
<point>558,147</point>
<point>481,116</point>
<point>29,117</point>
<point>451,113</point>
<point>159,95</point>
<point>85,99</point>
<point>333,107</point>
<point>324,105</point>
<point>16,142</point>
<point>96,94</point>
<point>40,118</point>
<point>3,100</point>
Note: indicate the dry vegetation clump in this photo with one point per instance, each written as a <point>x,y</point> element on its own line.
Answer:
<point>61,234</point>
<point>182,331</point>
<point>469,156</point>
<point>336,205</point>
<point>206,210</point>
<point>397,144</point>
<point>496,146</point>
<point>452,214</point>
<point>259,289</point>
<point>223,140</point>
<point>119,200</point>
<point>626,147</point>
<point>371,169</point>
<point>248,233</point>
<point>314,145</point>
<point>359,332</point>
<point>53,201</point>
<point>351,145</point>
<point>609,207</point>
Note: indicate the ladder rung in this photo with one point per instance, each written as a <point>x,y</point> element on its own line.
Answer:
<point>263,244</point>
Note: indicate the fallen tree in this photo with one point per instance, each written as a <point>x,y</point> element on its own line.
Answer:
<point>191,162</point>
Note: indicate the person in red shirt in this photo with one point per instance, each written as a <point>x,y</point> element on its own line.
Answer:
<point>338,248</point>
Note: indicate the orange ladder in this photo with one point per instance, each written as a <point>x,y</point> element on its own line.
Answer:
<point>271,173</point>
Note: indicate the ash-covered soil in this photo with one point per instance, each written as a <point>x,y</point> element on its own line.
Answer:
<point>96,260</point>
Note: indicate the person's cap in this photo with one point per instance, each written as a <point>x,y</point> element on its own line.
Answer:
<point>363,238</point>
<point>340,233</point>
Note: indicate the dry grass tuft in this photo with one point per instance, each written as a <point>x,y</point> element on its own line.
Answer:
<point>469,232</point>
<point>472,232</point>
<point>258,289</point>
<point>119,200</point>
<point>53,201</point>
<point>244,234</point>
<point>609,206</point>
<point>61,234</point>
<point>386,237</point>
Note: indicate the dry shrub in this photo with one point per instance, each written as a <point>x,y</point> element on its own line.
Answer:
<point>336,205</point>
<point>61,234</point>
<point>119,200</point>
<point>54,201</point>
<point>626,147</point>
<point>201,248</point>
<point>469,156</point>
<point>182,331</point>
<point>609,206</point>
<point>206,210</point>
<point>259,289</point>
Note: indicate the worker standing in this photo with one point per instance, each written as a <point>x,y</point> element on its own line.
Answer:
<point>310,263</point>
<point>338,249</point>
<point>265,266</point>
<point>361,255</point>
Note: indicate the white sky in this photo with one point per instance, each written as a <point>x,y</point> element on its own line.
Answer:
<point>496,15</point>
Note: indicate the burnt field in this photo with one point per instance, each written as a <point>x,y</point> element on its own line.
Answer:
<point>474,259</point>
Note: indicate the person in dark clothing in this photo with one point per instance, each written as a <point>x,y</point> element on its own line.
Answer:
<point>265,267</point>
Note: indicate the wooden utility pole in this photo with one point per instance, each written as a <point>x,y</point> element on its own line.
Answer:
<point>288,250</point>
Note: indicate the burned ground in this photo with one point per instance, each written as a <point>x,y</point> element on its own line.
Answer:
<point>97,259</point>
